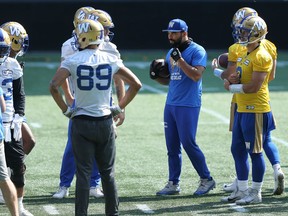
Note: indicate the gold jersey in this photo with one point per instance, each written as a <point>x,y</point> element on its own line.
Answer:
<point>236,50</point>
<point>259,60</point>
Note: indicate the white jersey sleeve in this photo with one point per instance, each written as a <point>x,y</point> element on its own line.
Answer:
<point>68,49</point>
<point>10,70</point>
<point>110,48</point>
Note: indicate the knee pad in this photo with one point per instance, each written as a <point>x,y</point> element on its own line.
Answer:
<point>17,176</point>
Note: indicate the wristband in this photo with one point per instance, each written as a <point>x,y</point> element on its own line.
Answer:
<point>67,111</point>
<point>218,72</point>
<point>236,88</point>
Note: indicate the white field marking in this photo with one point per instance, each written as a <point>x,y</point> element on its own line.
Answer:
<point>152,89</point>
<point>35,125</point>
<point>217,115</point>
<point>238,208</point>
<point>226,121</point>
<point>158,91</point>
<point>51,210</point>
<point>145,209</point>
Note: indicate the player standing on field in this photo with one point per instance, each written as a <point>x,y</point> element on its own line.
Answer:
<point>68,168</point>
<point>13,91</point>
<point>93,135</point>
<point>186,62</point>
<point>6,185</point>
<point>253,118</point>
<point>234,52</point>
<point>19,47</point>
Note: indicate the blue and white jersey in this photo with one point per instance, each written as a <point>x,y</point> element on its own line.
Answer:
<point>68,48</point>
<point>183,91</point>
<point>9,70</point>
<point>92,74</point>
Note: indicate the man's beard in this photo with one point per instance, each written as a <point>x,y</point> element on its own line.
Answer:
<point>176,43</point>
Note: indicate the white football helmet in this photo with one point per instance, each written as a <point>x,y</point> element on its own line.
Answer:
<point>5,45</point>
<point>251,29</point>
<point>89,32</point>
<point>18,36</point>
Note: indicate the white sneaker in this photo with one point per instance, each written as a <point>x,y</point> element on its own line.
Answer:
<point>25,212</point>
<point>169,189</point>
<point>96,192</point>
<point>235,195</point>
<point>61,193</point>
<point>2,201</point>
<point>254,196</point>
<point>205,186</point>
<point>230,187</point>
<point>279,182</point>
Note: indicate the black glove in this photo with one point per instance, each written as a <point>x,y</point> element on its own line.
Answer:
<point>22,64</point>
<point>175,54</point>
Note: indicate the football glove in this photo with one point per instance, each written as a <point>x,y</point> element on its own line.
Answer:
<point>175,54</point>
<point>7,131</point>
<point>16,125</point>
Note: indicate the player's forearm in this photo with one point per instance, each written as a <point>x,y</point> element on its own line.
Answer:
<point>193,73</point>
<point>119,87</point>
<point>129,95</point>
<point>58,97</point>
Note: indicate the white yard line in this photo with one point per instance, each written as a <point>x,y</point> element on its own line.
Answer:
<point>145,209</point>
<point>238,208</point>
<point>217,115</point>
<point>51,210</point>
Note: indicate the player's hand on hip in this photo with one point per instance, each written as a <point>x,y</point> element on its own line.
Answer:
<point>115,110</point>
<point>119,119</point>
<point>70,112</point>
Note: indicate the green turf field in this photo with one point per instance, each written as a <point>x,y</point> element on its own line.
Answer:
<point>141,165</point>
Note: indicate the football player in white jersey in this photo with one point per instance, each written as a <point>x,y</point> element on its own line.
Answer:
<point>93,136</point>
<point>6,185</point>
<point>19,46</point>
<point>12,85</point>
<point>68,48</point>
<point>68,168</point>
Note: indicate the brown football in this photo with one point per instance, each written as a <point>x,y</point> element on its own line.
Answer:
<point>223,60</point>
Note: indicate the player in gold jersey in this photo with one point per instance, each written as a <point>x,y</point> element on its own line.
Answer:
<point>253,117</point>
<point>234,52</point>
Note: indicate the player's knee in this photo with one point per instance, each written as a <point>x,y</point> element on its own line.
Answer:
<point>17,176</point>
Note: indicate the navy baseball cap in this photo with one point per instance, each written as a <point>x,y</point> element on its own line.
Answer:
<point>176,25</point>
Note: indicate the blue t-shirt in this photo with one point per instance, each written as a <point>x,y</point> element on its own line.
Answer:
<point>183,91</point>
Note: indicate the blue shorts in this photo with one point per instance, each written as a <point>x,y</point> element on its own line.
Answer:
<point>252,129</point>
